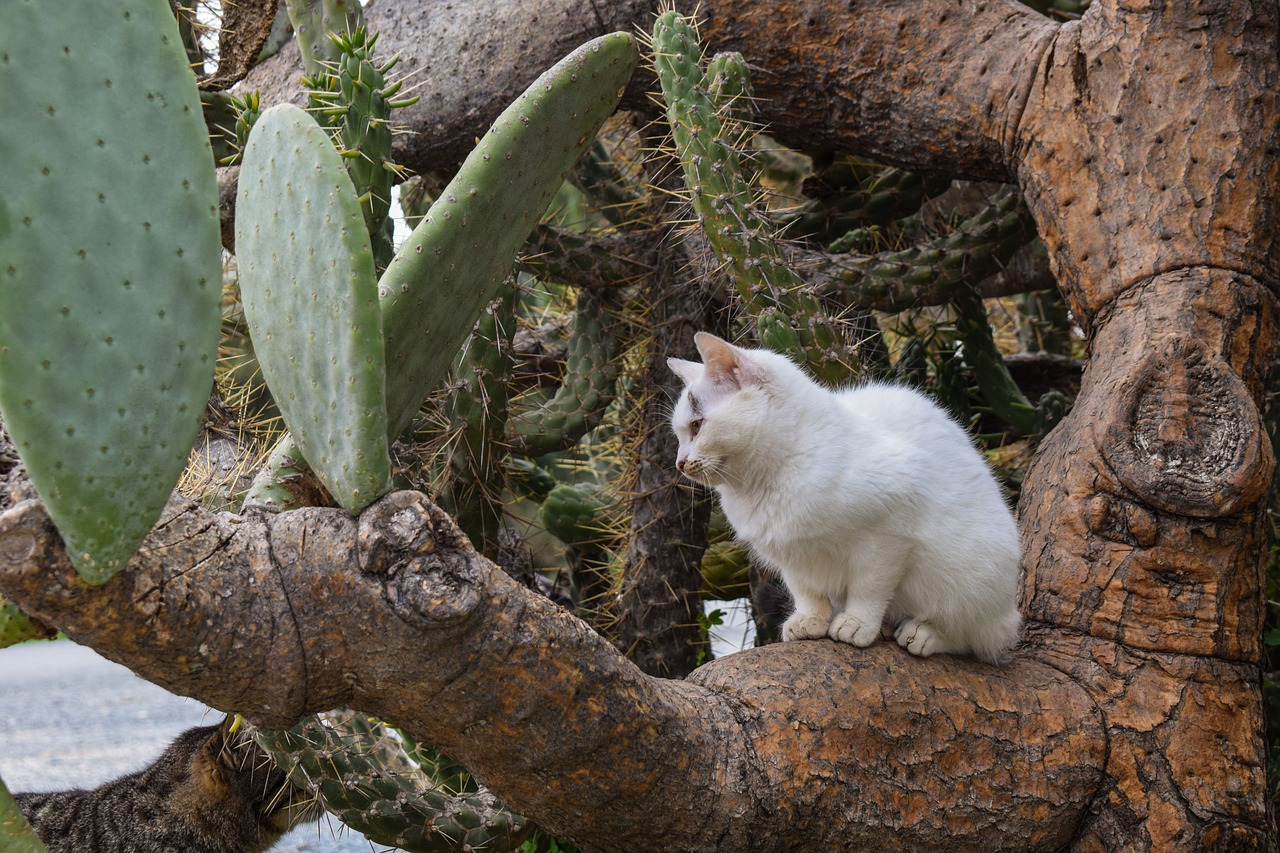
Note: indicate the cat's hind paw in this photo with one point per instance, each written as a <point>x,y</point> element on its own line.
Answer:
<point>852,630</point>
<point>804,626</point>
<point>920,638</point>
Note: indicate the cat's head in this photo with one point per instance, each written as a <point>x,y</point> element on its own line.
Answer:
<point>734,413</point>
<point>230,774</point>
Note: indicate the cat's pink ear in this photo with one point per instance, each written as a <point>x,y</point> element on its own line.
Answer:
<point>727,364</point>
<point>688,371</point>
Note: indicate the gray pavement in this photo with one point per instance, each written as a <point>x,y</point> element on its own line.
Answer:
<point>69,718</point>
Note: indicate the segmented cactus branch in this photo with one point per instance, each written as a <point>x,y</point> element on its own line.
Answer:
<point>854,194</point>
<point>351,96</point>
<point>363,774</point>
<point>790,317</point>
<point>930,272</point>
<point>478,418</point>
<point>585,391</point>
<point>578,515</point>
<point>998,388</point>
<point>314,20</point>
<point>607,186</point>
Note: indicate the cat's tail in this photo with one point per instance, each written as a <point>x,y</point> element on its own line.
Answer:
<point>994,641</point>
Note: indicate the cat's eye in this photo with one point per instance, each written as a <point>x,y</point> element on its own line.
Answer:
<point>695,426</point>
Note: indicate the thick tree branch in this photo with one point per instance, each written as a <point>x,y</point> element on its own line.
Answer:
<point>312,608</point>
<point>1133,166</point>
<point>925,84</point>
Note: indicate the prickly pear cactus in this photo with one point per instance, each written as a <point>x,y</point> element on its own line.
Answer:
<point>17,627</point>
<point>310,296</point>
<point>16,835</point>
<point>456,258</point>
<point>110,282</point>
<point>431,293</point>
<point>453,263</point>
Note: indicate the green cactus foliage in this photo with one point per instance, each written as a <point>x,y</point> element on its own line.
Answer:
<point>310,296</point>
<point>725,570</point>
<point>313,22</point>
<point>455,260</point>
<point>17,627</point>
<point>458,256</point>
<point>980,352</point>
<point>587,388</point>
<point>16,835</point>
<point>979,246</point>
<point>609,190</point>
<point>728,83</point>
<point>577,515</point>
<point>529,480</point>
<point>789,317</point>
<point>478,414</point>
<point>853,195</point>
<point>574,514</point>
<point>351,96</point>
<point>111,272</point>
<point>363,775</point>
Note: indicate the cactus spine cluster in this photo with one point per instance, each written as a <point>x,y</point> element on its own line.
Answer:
<point>364,775</point>
<point>790,318</point>
<point>353,98</point>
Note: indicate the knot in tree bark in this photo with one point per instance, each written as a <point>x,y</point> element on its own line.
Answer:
<point>434,573</point>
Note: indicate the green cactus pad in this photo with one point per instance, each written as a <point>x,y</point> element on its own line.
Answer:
<point>310,296</point>
<point>452,264</point>
<point>17,627</point>
<point>16,835</point>
<point>110,278</point>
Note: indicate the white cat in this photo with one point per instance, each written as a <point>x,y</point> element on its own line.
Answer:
<point>870,502</point>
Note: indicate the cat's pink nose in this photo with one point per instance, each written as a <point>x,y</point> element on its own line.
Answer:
<point>680,466</point>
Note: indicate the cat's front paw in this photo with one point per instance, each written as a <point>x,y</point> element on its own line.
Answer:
<point>852,630</point>
<point>804,626</point>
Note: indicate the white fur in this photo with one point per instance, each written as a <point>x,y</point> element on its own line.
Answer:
<point>870,502</point>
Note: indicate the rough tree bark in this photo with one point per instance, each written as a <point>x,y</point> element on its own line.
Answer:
<point>1144,137</point>
<point>658,608</point>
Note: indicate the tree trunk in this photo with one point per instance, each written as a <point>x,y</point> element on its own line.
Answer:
<point>658,610</point>
<point>1144,137</point>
